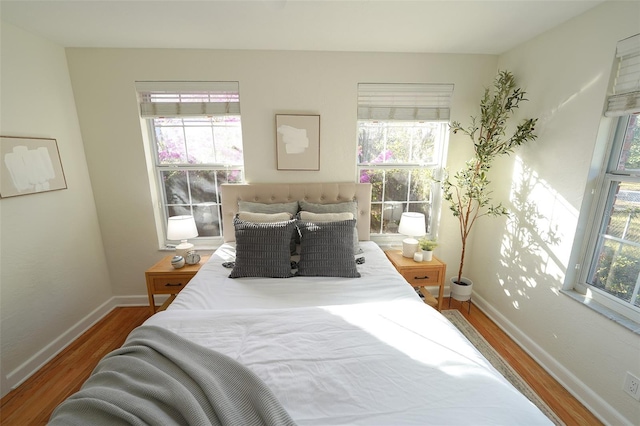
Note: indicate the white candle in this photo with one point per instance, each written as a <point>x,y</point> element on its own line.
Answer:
<point>417,256</point>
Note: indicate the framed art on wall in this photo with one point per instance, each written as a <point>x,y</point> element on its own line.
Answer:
<point>298,141</point>
<point>29,166</point>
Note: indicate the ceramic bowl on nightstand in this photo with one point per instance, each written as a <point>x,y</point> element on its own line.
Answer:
<point>177,262</point>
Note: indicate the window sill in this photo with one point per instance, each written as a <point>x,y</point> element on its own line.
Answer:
<point>210,247</point>
<point>603,310</point>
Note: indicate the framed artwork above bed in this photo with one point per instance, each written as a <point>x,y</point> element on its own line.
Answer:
<point>298,142</point>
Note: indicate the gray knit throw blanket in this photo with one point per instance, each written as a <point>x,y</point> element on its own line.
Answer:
<point>160,378</point>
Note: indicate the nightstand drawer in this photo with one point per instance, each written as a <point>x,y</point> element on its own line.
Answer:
<point>169,285</point>
<point>422,277</point>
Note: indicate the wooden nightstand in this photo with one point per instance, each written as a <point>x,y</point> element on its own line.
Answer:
<point>420,274</point>
<point>162,278</point>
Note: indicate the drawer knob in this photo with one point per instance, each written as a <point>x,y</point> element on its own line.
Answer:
<point>426,277</point>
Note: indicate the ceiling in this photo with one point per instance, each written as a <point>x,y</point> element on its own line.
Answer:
<point>448,26</point>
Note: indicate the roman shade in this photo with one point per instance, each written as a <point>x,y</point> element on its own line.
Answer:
<point>188,99</point>
<point>626,89</point>
<point>404,102</point>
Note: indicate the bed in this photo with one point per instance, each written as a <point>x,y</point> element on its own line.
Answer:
<point>329,350</point>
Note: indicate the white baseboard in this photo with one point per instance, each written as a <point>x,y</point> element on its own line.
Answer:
<point>593,402</point>
<point>16,377</point>
<point>44,355</point>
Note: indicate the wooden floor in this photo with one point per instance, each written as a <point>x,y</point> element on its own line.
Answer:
<point>569,409</point>
<point>33,401</point>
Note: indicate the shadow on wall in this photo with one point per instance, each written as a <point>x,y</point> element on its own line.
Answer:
<point>531,252</point>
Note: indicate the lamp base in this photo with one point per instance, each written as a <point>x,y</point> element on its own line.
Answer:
<point>183,248</point>
<point>409,247</point>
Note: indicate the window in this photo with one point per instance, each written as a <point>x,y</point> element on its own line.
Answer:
<point>196,144</point>
<point>614,264</point>
<point>402,140</point>
<point>612,260</point>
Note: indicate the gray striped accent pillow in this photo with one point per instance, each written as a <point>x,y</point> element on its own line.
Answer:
<point>348,207</point>
<point>262,249</point>
<point>326,249</point>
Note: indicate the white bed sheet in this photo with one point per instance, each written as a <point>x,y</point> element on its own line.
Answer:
<point>362,351</point>
<point>212,288</point>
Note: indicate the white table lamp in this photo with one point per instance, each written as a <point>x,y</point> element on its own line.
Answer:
<point>412,225</point>
<point>182,228</point>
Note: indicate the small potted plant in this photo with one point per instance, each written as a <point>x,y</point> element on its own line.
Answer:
<point>427,247</point>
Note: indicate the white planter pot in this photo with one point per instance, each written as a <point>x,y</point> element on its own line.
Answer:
<point>461,292</point>
<point>427,256</point>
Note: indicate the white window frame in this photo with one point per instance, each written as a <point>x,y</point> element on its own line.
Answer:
<point>621,104</point>
<point>183,110</point>
<point>413,103</point>
<point>601,200</point>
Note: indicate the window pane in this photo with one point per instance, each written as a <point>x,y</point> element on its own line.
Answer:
<point>228,143</point>
<point>170,144</point>
<point>206,140</point>
<point>624,215</point>
<point>391,216</point>
<point>420,187</point>
<point>376,219</point>
<point>392,195</point>
<point>396,186</point>
<point>202,184</point>
<point>376,179</point>
<point>200,145</point>
<point>630,155</point>
<point>397,142</point>
<point>371,144</point>
<point>617,263</point>
<point>617,270</point>
<point>176,188</point>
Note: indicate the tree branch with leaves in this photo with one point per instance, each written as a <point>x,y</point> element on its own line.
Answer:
<point>468,190</point>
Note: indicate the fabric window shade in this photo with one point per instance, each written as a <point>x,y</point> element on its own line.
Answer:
<point>404,102</point>
<point>626,89</point>
<point>188,99</point>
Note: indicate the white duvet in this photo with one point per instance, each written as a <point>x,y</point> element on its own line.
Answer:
<point>361,351</point>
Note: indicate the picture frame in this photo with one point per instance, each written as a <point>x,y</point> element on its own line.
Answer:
<point>29,166</point>
<point>298,142</point>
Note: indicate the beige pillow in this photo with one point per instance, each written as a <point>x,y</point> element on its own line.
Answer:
<point>264,217</point>
<point>325,217</point>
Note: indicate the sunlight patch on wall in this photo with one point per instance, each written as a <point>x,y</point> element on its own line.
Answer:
<point>539,233</point>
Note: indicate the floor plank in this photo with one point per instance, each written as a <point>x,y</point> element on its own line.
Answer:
<point>568,408</point>
<point>33,402</point>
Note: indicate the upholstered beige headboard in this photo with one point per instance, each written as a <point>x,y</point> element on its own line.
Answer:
<point>322,193</point>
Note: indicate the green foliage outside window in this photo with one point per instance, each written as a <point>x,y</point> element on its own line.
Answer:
<point>397,158</point>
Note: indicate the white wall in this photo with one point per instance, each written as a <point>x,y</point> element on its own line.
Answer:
<point>566,73</point>
<point>270,82</point>
<point>53,268</point>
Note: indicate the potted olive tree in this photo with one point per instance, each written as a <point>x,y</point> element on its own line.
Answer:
<point>467,191</point>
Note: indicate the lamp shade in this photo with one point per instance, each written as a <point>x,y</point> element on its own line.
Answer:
<point>181,228</point>
<point>412,224</point>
